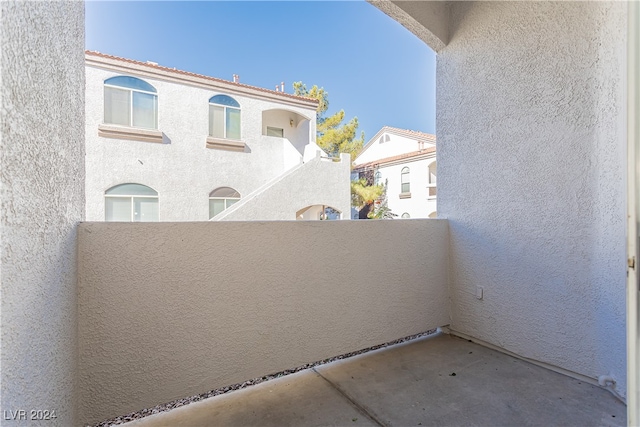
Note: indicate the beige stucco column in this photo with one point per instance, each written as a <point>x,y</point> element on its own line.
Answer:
<point>41,203</point>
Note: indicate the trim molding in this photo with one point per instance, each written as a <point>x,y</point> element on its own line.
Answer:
<point>129,133</point>
<point>397,160</point>
<point>153,71</point>
<point>225,144</point>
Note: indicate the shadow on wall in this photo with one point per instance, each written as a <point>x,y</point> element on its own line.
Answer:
<point>287,124</point>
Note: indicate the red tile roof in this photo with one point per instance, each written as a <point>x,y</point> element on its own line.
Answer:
<point>187,73</point>
<point>410,133</point>
<point>395,158</point>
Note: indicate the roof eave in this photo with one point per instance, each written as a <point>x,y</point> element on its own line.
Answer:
<point>184,77</point>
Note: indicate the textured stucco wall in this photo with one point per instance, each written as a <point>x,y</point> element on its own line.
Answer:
<point>531,162</point>
<point>168,310</point>
<point>184,171</point>
<point>42,200</point>
<point>317,182</point>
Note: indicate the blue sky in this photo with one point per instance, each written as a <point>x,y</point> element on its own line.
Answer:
<point>371,66</point>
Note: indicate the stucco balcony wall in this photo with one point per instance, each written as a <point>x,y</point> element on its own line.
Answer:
<point>168,310</point>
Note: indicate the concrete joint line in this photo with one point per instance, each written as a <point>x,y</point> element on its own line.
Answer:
<point>355,404</point>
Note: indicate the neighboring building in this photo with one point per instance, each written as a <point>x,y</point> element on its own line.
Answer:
<point>406,161</point>
<point>169,145</point>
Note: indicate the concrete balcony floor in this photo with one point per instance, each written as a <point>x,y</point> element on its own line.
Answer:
<point>410,384</point>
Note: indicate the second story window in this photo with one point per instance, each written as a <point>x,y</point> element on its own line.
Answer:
<point>224,117</point>
<point>129,101</point>
<point>432,180</point>
<point>404,179</point>
<point>377,178</point>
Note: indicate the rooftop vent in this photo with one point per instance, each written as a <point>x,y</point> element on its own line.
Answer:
<point>236,78</point>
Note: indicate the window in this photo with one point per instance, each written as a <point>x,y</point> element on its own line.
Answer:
<point>377,178</point>
<point>432,173</point>
<point>224,117</point>
<point>220,199</point>
<point>275,132</point>
<point>129,101</point>
<point>404,179</point>
<point>432,180</point>
<point>406,215</point>
<point>131,203</point>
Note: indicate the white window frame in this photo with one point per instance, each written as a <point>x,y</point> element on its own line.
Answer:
<point>402,174</point>
<point>226,203</point>
<point>226,200</point>
<point>224,124</point>
<point>131,197</point>
<point>432,183</point>
<point>274,128</point>
<point>157,118</point>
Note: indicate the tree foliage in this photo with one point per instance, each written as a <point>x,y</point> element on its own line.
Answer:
<point>381,209</point>
<point>334,138</point>
<point>363,194</point>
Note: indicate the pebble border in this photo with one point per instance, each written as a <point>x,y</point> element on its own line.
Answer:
<point>239,386</point>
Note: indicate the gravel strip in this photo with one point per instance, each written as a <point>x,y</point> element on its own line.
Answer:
<point>181,402</point>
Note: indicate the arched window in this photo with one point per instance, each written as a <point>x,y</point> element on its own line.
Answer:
<point>404,179</point>
<point>220,199</point>
<point>405,215</point>
<point>131,203</point>
<point>384,138</point>
<point>432,180</point>
<point>224,117</point>
<point>377,178</point>
<point>432,173</point>
<point>129,101</point>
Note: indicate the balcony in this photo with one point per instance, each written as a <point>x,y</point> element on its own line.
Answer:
<point>431,381</point>
<point>184,308</point>
<point>101,320</point>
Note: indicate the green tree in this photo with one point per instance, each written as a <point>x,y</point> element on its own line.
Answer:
<point>363,194</point>
<point>381,210</point>
<point>334,138</point>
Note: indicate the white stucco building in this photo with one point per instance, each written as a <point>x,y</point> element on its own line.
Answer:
<point>168,145</point>
<point>406,161</point>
